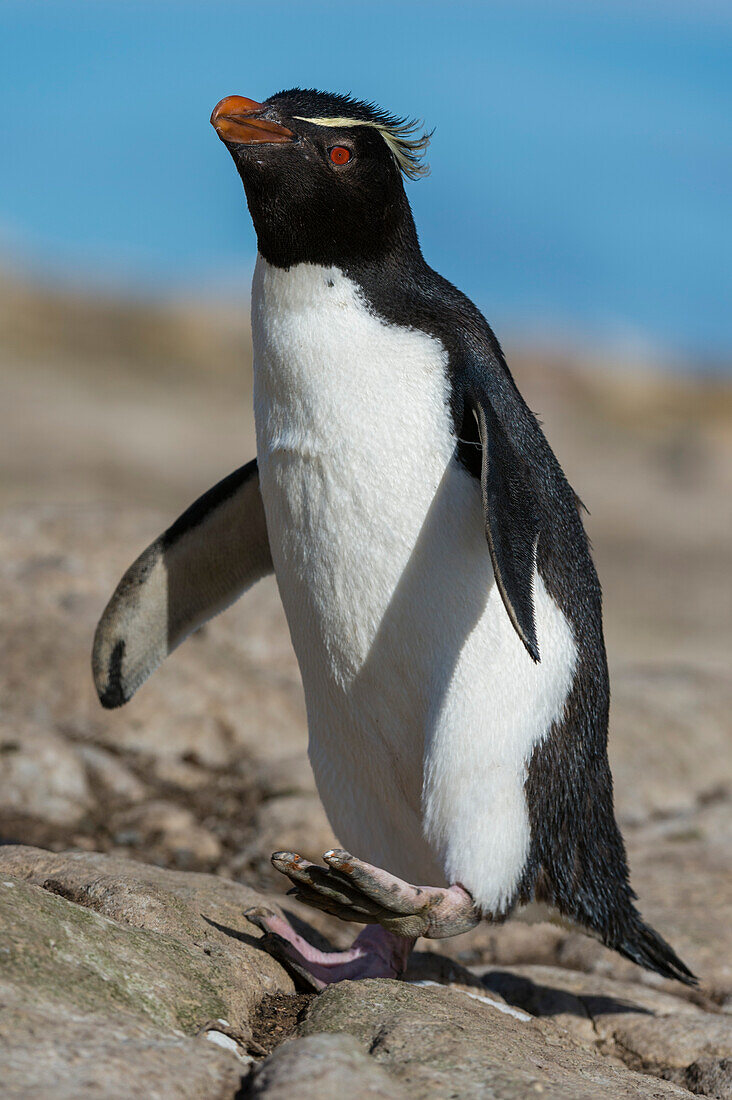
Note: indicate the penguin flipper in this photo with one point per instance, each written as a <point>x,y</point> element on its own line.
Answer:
<point>511,513</point>
<point>210,556</point>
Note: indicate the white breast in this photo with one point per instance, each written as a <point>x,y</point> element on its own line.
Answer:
<point>423,706</point>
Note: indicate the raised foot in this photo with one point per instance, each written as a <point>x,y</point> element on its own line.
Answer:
<point>376,953</point>
<point>357,891</point>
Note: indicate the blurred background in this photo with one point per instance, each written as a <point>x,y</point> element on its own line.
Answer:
<point>580,193</point>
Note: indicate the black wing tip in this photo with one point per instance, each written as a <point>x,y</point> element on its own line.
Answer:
<point>112,694</point>
<point>648,949</point>
<point>520,610</point>
<point>532,646</point>
<point>524,624</point>
<point>110,701</point>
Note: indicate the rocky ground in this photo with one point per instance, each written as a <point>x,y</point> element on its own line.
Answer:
<point>136,839</point>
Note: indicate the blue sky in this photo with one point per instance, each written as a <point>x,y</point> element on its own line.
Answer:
<point>581,162</point>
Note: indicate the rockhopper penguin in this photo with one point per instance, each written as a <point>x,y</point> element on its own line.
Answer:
<point>432,563</point>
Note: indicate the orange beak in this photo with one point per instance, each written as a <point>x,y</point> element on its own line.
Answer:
<point>234,120</point>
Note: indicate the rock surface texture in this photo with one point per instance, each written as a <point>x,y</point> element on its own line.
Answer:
<point>134,841</point>
<point>122,979</point>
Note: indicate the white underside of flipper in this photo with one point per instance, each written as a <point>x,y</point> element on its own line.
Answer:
<point>423,705</point>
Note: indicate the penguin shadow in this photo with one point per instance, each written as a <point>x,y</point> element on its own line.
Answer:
<point>255,940</point>
<point>540,1001</point>
<point>546,1000</point>
<point>439,599</point>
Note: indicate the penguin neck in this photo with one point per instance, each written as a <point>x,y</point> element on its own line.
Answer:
<point>396,262</point>
<point>386,247</point>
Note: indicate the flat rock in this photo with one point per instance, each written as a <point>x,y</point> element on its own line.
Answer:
<point>437,1042</point>
<point>709,1077</point>
<point>323,1067</point>
<point>648,1029</point>
<point>673,1042</point>
<point>51,1048</point>
<point>202,956</point>
<point>110,775</point>
<point>41,776</point>
<point>112,972</point>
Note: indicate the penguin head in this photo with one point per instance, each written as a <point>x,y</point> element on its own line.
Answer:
<point>323,175</point>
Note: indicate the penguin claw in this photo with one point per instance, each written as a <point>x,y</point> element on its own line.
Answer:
<point>318,886</point>
<point>356,891</point>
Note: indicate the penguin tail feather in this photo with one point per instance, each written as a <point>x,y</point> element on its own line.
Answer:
<point>646,948</point>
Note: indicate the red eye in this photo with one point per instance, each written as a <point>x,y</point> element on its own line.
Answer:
<point>340,155</point>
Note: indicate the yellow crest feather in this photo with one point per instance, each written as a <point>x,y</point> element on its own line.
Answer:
<point>406,144</point>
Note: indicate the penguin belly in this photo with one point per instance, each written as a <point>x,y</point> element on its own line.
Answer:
<point>423,705</point>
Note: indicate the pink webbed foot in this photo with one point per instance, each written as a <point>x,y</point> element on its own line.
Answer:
<point>376,953</point>
<point>357,891</point>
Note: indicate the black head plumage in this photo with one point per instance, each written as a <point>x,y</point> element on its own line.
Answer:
<point>309,207</point>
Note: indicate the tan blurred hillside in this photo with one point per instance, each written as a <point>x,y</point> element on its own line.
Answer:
<point>106,400</point>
